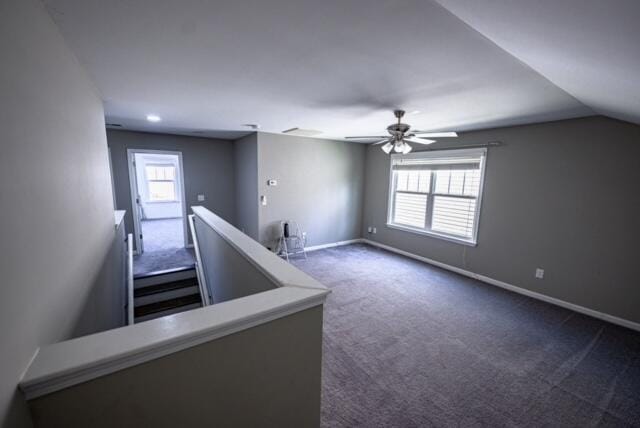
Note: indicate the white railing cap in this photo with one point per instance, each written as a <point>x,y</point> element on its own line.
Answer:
<point>75,361</point>
<point>71,362</point>
<point>281,273</point>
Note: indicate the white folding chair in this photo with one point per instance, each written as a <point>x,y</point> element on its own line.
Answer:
<point>291,240</point>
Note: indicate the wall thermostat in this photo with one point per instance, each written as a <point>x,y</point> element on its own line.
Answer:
<point>272,182</point>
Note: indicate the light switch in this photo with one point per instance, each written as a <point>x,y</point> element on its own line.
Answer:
<point>263,200</point>
<point>200,197</point>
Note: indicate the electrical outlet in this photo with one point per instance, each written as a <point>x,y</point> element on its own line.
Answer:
<point>200,197</point>
<point>370,229</point>
<point>375,230</point>
<point>539,273</point>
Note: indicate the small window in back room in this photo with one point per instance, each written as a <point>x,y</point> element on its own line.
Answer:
<point>437,193</point>
<point>161,180</point>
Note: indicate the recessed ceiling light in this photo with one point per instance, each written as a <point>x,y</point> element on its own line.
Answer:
<point>153,118</point>
<point>251,125</point>
<point>415,112</point>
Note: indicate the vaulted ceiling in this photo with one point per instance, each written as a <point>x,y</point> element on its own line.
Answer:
<point>340,67</point>
<point>588,48</point>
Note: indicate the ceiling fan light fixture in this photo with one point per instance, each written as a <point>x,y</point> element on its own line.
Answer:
<point>401,135</point>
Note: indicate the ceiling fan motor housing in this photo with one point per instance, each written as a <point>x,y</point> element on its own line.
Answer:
<point>397,130</point>
<point>400,137</point>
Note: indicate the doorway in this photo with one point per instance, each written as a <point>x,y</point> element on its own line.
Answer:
<point>157,197</point>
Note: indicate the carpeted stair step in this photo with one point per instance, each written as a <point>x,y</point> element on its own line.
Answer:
<point>166,305</point>
<point>164,277</point>
<point>164,272</point>
<point>163,288</point>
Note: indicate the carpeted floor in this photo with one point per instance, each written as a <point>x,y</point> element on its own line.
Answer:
<point>154,261</point>
<point>411,345</point>
<point>162,234</point>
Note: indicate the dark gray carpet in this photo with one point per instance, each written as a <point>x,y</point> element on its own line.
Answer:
<point>408,344</point>
<point>154,261</point>
<point>162,234</point>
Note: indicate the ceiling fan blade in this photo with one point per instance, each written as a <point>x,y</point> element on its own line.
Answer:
<point>418,140</point>
<point>435,134</point>
<point>371,137</point>
<point>386,140</point>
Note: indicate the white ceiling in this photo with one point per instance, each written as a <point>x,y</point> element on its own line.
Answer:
<point>589,48</point>
<point>339,66</point>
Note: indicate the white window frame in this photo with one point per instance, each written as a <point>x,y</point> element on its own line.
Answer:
<point>149,181</point>
<point>482,152</point>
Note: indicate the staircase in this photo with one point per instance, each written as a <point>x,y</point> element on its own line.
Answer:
<point>163,293</point>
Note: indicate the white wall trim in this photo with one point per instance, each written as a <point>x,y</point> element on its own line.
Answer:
<point>130,281</point>
<point>482,152</point>
<point>333,244</point>
<point>571,306</point>
<point>133,189</point>
<point>133,186</point>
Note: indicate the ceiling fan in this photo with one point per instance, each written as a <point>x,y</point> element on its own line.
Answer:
<point>400,137</point>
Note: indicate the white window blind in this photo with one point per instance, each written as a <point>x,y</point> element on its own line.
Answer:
<point>437,192</point>
<point>161,182</point>
<point>411,197</point>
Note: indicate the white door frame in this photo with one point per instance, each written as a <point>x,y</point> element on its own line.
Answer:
<point>134,193</point>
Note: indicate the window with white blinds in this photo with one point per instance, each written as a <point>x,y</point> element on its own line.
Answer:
<point>161,182</point>
<point>437,193</point>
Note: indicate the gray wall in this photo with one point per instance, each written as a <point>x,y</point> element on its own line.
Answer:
<point>559,195</point>
<point>207,163</point>
<point>320,185</point>
<point>266,376</point>
<point>228,275</point>
<point>57,210</point>
<point>245,151</point>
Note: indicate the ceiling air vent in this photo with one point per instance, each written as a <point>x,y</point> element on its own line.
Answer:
<point>301,132</point>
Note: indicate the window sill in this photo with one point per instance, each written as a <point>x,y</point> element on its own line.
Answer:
<point>463,241</point>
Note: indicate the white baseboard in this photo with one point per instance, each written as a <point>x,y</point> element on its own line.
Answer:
<point>333,244</point>
<point>577,308</point>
